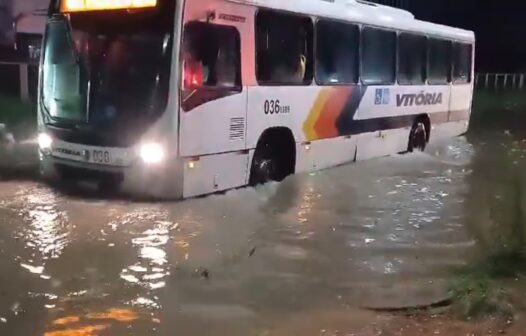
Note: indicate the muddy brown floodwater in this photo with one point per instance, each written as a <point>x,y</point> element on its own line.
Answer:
<point>303,257</point>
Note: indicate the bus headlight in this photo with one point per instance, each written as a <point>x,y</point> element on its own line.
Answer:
<point>152,153</point>
<point>45,141</point>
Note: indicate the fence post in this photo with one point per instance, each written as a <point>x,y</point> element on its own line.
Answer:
<point>505,81</point>
<point>24,82</point>
<point>487,81</point>
<point>521,81</point>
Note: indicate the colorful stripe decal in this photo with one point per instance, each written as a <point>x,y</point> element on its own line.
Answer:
<point>314,114</point>
<point>333,112</point>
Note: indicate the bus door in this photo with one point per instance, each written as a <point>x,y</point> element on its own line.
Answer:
<point>213,102</point>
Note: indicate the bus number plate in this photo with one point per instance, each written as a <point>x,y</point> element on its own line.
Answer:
<point>101,157</point>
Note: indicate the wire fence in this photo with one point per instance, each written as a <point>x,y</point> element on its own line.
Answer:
<point>500,81</point>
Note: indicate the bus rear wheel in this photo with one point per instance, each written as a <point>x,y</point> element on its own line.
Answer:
<point>419,135</point>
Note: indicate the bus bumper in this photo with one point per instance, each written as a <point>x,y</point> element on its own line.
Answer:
<point>139,179</point>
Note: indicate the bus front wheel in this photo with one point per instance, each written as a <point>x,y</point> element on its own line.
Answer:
<point>274,158</point>
<point>264,167</point>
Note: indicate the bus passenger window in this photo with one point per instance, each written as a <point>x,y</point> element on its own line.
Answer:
<point>462,54</point>
<point>211,56</point>
<point>378,56</point>
<point>337,52</point>
<point>439,66</point>
<point>284,48</point>
<point>412,59</point>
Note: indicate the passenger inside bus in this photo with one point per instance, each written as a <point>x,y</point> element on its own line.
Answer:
<point>192,67</point>
<point>209,56</point>
<point>302,68</point>
<point>283,50</point>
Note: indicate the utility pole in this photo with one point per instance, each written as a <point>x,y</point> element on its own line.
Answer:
<point>7,33</point>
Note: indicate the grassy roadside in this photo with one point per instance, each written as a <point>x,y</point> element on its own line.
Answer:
<point>492,284</point>
<point>20,118</point>
<point>502,109</point>
<point>487,287</point>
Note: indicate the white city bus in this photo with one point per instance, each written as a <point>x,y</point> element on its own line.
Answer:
<point>180,98</point>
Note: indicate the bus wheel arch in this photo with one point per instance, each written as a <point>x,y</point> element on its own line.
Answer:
<point>275,156</point>
<point>420,133</point>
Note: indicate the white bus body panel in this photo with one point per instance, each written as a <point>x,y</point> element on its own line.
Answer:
<point>213,173</point>
<point>214,127</point>
<point>381,143</point>
<point>308,111</point>
<point>296,102</point>
<point>325,153</point>
<point>399,100</point>
<point>461,99</point>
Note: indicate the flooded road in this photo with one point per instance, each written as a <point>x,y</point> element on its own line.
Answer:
<point>277,260</point>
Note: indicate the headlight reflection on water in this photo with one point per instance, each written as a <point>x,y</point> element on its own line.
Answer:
<point>46,233</point>
<point>150,269</point>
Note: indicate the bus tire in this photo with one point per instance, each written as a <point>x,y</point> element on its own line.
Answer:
<point>419,135</point>
<point>109,185</point>
<point>274,158</point>
<point>47,172</point>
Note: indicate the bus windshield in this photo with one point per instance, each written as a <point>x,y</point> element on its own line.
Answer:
<point>109,69</point>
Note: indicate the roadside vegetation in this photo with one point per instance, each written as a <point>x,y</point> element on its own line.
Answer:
<point>494,283</point>
<point>19,117</point>
<point>499,109</point>
<point>491,285</point>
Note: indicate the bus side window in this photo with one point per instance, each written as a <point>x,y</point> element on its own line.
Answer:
<point>284,49</point>
<point>337,52</point>
<point>211,56</point>
<point>439,64</point>
<point>412,59</point>
<point>378,56</point>
<point>462,54</point>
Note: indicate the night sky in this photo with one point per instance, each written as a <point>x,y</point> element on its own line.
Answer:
<point>500,26</point>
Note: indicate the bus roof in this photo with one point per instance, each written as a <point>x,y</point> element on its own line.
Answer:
<point>365,12</point>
